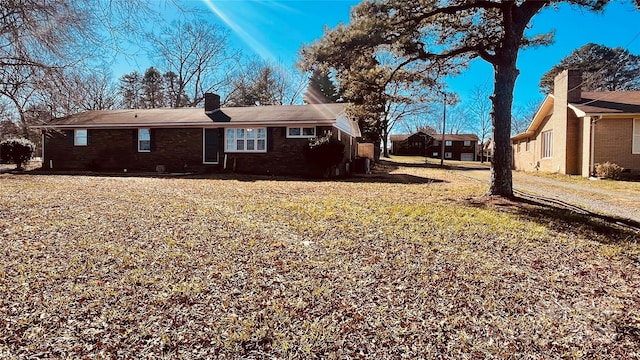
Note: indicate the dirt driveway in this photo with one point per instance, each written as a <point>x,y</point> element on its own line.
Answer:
<point>617,201</point>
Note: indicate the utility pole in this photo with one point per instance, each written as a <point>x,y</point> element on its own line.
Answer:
<point>444,126</point>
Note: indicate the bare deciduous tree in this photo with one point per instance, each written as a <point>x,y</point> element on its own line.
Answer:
<point>42,43</point>
<point>480,109</point>
<point>198,54</point>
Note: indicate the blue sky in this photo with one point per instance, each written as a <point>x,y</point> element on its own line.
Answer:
<point>276,29</point>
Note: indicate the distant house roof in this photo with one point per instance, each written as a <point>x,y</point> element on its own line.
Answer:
<point>399,137</point>
<point>456,137</point>
<point>292,115</point>
<point>447,137</point>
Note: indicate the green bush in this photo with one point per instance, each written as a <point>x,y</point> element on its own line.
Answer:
<point>609,170</point>
<point>323,152</point>
<point>18,151</point>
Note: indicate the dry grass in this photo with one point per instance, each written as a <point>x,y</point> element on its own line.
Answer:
<point>104,267</point>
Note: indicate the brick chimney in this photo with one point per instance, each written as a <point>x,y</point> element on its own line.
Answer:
<point>211,102</point>
<point>568,83</point>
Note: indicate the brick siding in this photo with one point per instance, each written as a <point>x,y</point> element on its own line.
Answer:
<point>179,150</point>
<point>613,142</point>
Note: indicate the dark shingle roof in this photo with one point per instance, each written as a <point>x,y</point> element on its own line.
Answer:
<point>318,113</point>
<point>449,137</point>
<point>609,102</point>
<point>456,137</point>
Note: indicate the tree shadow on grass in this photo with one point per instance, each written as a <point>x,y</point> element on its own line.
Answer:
<point>381,173</point>
<point>567,219</point>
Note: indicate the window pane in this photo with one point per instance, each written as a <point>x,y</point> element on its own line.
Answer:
<point>240,133</point>
<point>309,131</point>
<point>251,145</point>
<point>262,145</point>
<point>294,132</point>
<point>262,133</point>
<point>230,139</point>
<point>251,133</point>
<point>144,134</point>
<point>240,144</point>
<point>145,145</point>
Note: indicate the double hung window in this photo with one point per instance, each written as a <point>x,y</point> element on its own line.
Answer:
<point>80,137</point>
<point>547,144</point>
<point>144,140</point>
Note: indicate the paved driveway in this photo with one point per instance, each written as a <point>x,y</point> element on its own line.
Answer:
<point>622,203</point>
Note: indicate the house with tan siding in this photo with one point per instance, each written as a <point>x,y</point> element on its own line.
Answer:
<point>573,131</point>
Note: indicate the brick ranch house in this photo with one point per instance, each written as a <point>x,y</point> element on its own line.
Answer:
<point>258,140</point>
<point>572,131</point>
<point>457,146</point>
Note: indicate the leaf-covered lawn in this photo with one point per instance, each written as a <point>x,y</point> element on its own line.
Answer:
<point>108,267</point>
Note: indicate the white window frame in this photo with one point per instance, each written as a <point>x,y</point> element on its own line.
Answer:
<point>435,154</point>
<point>232,139</point>
<point>467,143</point>
<point>546,147</point>
<point>448,143</point>
<point>635,146</point>
<point>448,155</point>
<point>142,131</point>
<point>80,140</point>
<point>301,133</point>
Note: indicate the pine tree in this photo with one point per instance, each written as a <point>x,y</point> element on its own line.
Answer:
<point>131,90</point>
<point>321,89</point>
<point>603,69</point>
<point>152,89</point>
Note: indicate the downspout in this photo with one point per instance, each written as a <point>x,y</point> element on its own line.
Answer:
<point>592,143</point>
<point>42,142</point>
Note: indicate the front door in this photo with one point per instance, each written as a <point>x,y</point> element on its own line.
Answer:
<point>211,140</point>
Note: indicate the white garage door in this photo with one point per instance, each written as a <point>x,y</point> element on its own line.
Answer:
<point>466,156</point>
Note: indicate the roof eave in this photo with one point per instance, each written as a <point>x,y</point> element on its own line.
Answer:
<point>187,124</point>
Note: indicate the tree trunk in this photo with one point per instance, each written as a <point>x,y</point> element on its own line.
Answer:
<point>505,79</point>
<point>385,146</point>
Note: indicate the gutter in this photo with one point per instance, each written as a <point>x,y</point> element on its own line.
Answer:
<point>187,124</point>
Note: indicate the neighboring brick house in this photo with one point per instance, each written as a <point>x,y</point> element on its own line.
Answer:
<point>457,146</point>
<point>259,140</point>
<point>410,144</point>
<point>572,131</point>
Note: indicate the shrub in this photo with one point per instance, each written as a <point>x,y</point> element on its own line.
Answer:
<point>323,152</point>
<point>609,170</point>
<point>17,151</point>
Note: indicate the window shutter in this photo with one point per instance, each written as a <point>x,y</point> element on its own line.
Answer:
<point>89,137</point>
<point>152,139</point>
<point>270,138</point>
<point>134,140</point>
<point>70,137</point>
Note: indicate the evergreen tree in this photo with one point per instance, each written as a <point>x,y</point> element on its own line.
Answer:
<point>443,36</point>
<point>321,89</point>
<point>131,90</point>
<point>152,89</point>
<point>603,69</point>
